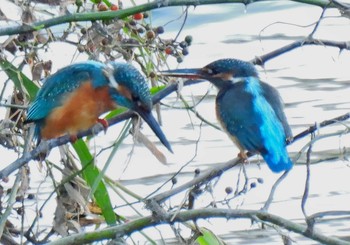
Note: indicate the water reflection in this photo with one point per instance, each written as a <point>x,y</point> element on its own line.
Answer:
<point>314,83</point>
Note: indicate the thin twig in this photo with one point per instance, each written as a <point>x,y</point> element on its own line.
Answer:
<point>11,201</point>
<point>273,189</point>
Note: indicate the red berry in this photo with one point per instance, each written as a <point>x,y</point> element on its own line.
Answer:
<point>114,7</point>
<point>138,16</point>
<point>169,50</point>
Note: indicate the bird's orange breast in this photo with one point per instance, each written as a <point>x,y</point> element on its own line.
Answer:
<point>79,111</point>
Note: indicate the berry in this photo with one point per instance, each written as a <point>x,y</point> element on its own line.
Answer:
<point>114,7</point>
<point>174,181</point>
<point>183,44</point>
<point>185,51</point>
<point>228,190</point>
<point>83,31</point>
<point>132,23</point>
<point>20,211</point>
<point>188,39</point>
<point>197,171</point>
<point>138,16</point>
<point>145,15</point>
<point>80,48</point>
<point>160,30</point>
<point>150,34</point>
<point>152,74</point>
<point>179,59</point>
<point>79,3</point>
<point>260,180</point>
<point>169,50</point>
<point>102,6</point>
<point>104,41</point>
<point>31,196</point>
<point>140,30</point>
<point>253,185</point>
<point>19,198</point>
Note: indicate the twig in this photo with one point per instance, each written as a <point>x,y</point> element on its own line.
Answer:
<point>273,189</point>
<point>11,201</point>
<point>310,222</point>
<point>320,215</point>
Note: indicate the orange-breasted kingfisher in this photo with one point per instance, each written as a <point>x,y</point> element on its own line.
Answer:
<point>249,110</point>
<point>72,99</point>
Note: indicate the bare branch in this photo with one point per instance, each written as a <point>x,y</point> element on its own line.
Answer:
<point>139,224</point>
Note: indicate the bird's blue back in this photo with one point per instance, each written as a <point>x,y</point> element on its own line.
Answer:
<point>249,116</point>
<point>63,82</point>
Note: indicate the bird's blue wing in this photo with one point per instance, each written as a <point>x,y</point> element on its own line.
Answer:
<point>272,96</point>
<point>249,117</point>
<point>235,111</point>
<point>56,87</point>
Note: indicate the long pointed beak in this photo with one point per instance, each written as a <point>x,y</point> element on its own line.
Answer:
<point>153,124</point>
<point>185,73</point>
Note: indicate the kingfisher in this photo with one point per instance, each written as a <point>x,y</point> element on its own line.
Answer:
<point>249,110</point>
<point>72,99</point>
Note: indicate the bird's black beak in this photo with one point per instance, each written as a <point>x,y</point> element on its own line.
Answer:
<point>184,73</point>
<point>153,124</point>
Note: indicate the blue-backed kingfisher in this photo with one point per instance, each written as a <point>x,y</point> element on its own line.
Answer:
<point>72,99</point>
<point>249,110</point>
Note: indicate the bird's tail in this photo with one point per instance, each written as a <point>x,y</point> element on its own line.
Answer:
<point>278,161</point>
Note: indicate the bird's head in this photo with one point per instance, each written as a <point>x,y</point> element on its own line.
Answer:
<point>220,72</point>
<point>128,88</point>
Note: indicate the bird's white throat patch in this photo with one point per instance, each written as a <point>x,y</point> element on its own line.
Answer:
<point>108,71</point>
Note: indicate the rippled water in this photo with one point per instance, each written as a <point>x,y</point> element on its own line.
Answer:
<point>314,83</point>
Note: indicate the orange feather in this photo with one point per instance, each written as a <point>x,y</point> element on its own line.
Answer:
<point>79,112</point>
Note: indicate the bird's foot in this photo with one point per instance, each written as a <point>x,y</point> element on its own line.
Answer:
<point>104,123</point>
<point>73,138</point>
<point>44,151</point>
<point>289,140</point>
<point>243,156</point>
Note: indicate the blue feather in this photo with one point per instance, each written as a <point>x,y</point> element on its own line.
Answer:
<point>127,75</point>
<point>56,87</point>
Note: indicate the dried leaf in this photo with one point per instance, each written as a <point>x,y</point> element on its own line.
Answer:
<point>76,197</point>
<point>60,220</point>
<point>140,137</point>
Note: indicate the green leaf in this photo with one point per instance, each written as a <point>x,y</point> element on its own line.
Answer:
<point>21,81</point>
<point>39,27</point>
<point>90,174</point>
<point>156,89</point>
<point>208,238</point>
<point>108,3</point>
<point>115,112</point>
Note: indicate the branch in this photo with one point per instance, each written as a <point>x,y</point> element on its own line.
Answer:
<point>208,175</point>
<point>105,15</point>
<point>297,44</point>
<point>46,146</point>
<point>141,223</point>
<point>109,15</point>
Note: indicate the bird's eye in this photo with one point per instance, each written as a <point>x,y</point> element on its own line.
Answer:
<point>212,71</point>
<point>209,71</point>
<point>135,98</point>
